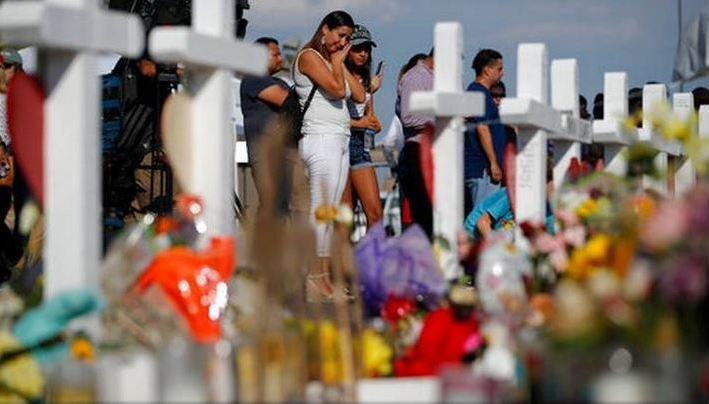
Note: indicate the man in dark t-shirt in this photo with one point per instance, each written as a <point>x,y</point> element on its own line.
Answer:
<point>486,136</point>
<point>261,101</point>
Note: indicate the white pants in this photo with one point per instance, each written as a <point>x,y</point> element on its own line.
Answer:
<point>327,159</point>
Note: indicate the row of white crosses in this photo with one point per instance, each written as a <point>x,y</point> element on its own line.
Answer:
<point>616,137</point>
<point>536,122</point>
<point>69,34</point>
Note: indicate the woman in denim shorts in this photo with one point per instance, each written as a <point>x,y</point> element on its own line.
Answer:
<point>362,179</point>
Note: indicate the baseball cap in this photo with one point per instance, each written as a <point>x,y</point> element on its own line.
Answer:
<point>361,35</point>
<point>11,56</point>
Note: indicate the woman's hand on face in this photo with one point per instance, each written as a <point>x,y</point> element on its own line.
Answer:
<point>377,82</point>
<point>340,56</point>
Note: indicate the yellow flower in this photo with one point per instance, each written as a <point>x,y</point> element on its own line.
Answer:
<point>631,122</point>
<point>21,374</point>
<point>595,254</point>
<point>325,213</point>
<point>377,354</point>
<point>82,349</point>
<point>643,205</point>
<point>587,208</point>
<point>676,128</point>
<point>598,248</point>
<point>330,353</point>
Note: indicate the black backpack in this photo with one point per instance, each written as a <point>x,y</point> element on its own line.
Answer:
<point>292,114</point>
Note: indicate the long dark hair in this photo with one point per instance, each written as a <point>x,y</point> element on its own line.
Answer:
<point>364,71</point>
<point>333,20</point>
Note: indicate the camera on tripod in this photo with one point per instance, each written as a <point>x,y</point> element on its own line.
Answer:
<point>174,12</point>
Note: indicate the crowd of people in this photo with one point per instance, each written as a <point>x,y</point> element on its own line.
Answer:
<point>334,84</point>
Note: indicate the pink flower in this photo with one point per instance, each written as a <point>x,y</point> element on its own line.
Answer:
<point>574,235</point>
<point>567,217</point>
<point>667,226</point>
<point>559,260</point>
<point>546,243</point>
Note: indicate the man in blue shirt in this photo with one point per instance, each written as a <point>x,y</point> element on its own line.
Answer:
<point>495,211</point>
<point>485,138</point>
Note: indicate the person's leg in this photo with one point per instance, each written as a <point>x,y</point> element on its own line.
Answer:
<point>347,199</point>
<point>414,189</point>
<point>364,181</point>
<point>326,158</point>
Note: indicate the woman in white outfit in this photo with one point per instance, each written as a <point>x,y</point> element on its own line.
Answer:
<point>324,147</point>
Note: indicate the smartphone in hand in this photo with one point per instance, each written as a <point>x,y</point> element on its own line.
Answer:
<point>379,67</point>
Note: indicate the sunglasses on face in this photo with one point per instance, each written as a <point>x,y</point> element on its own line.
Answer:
<point>498,95</point>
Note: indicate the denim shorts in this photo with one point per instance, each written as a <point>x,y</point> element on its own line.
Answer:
<point>359,157</point>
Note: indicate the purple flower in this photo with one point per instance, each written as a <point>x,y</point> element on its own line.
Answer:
<point>402,266</point>
<point>684,279</point>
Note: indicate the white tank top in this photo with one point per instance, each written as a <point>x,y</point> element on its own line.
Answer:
<point>325,116</point>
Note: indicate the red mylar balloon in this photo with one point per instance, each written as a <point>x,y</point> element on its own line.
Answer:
<point>195,283</point>
<point>25,120</point>
<point>426,156</point>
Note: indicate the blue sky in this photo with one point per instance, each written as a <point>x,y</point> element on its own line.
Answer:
<point>636,36</point>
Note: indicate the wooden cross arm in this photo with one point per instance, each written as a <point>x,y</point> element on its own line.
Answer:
<point>671,147</point>
<point>452,104</point>
<point>575,130</point>
<point>527,113</point>
<point>181,44</point>
<point>612,132</point>
<point>61,27</point>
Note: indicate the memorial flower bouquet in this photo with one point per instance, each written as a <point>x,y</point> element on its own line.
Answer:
<point>587,287</point>
<point>675,237</point>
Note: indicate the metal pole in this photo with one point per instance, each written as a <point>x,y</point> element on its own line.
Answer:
<point>679,36</point>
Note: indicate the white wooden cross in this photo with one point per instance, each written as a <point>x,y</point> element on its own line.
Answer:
<point>685,175</point>
<point>565,98</point>
<point>210,53</point>
<point>704,121</point>
<point>535,119</point>
<point>69,33</point>
<point>610,131</point>
<point>653,95</point>
<point>450,104</point>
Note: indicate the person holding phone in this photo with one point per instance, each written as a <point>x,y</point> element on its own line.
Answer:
<point>324,146</point>
<point>362,180</point>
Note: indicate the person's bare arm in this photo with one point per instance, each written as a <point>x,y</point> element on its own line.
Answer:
<point>357,91</point>
<point>331,81</point>
<point>273,94</point>
<point>369,122</point>
<point>486,142</point>
<point>484,225</point>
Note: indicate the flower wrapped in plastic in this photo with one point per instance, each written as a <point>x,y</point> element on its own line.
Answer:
<point>164,266</point>
<point>402,266</point>
<point>500,279</point>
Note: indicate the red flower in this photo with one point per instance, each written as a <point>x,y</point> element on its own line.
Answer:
<point>396,308</point>
<point>442,341</point>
